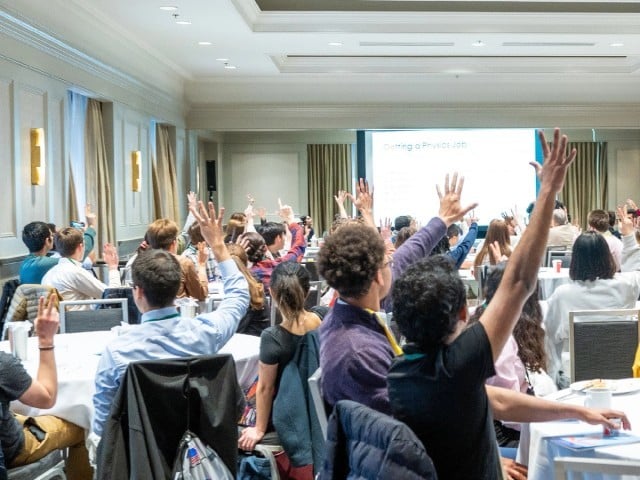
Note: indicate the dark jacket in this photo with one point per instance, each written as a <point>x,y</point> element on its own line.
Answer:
<point>294,416</point>
<point>157,402</point>
<point>365,444</point>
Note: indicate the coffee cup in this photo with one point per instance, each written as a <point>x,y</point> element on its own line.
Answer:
<point>18,335</point>
<point>598,397</point>
<point>557,265</point>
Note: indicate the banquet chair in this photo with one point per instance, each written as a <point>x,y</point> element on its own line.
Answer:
<point>563,466</point>
<point>157,402</point>
<point>318,402</point>
<point>312,268</point>
<point>73,321</point>
<point>365,443</point>
<point>604,345</point>
<point>314,296</point>
<point>24,303</point>
<point>51,466</point>
<point>557,253</point>
<point>123,292</point>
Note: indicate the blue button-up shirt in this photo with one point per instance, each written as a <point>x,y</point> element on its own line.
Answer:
<point>164,334</point>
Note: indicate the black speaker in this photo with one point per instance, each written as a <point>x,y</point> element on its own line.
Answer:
<point>211,176</point>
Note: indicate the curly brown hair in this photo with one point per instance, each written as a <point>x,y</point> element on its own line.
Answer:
<point>350,259</point>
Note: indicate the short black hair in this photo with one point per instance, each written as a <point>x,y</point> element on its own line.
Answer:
<point>427,300</point>
<point>270,231</point>
<point>159,274</point>
<point>350,259</point>
<point>591,258</point>
<point>454,230</point>
<point>35,234</point>
<point>401,222</point>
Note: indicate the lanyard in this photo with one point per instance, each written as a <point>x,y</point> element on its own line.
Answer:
<point>166,317</point>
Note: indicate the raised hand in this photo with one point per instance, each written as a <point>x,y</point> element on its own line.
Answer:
<point>47,320</point>
<point>110,255</point>
<point>385,229</point>
<point>261,212</point>
<point>556,160</point>
<point>90,216</point>
<point>340,198</point>
<point>192,200</point>
<point>211,228</point>
<point>285,212</point>
<point>450,208</point>
<point>364,201</point>
<point>626,223</point>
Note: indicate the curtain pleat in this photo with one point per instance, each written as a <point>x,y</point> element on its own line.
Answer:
<point>164,177</point>
<point>329,171</point>
<point>98,183</point>
<point>585,187</point>
<point>73,198</point>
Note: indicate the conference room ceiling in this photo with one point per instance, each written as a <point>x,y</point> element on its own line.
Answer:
<point>360,51</point>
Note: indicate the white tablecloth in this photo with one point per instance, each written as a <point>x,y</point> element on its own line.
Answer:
<point>540,452</point>
<point>77,356</point>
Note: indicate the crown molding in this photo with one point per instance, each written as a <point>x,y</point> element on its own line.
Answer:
<point>235,117</point>
<point>30,36</point>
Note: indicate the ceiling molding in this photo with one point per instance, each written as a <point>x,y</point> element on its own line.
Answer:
<point>44,43</point>
<point>234,117</point>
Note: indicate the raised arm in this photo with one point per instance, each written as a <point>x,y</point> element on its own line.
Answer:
<point>340,197</point>
<point>364,202</point>
<point>211,229</point>
<point>630,247</point>
<point>44,389</point>
<point>520,276</point>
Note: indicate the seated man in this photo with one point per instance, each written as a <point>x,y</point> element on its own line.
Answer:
<point>71,280</point>
<point>163,333</point>
<point>561,233</point>
<point>163,234</point>
<point>25,440</point>
<point>39,240</point>
<point>274,236</point>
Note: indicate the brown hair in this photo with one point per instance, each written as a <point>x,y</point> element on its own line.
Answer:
<point>289,289</point>
<point>256,289</point>
<point>497,232</point>
<point>598,220</point>
<point>162,233</point>
<point>67,240</point>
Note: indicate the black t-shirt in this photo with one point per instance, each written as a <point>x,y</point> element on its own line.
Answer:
<point>13,383</point>
<point>441,396</point>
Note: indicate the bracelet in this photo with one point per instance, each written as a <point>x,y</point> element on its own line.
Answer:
<point>50,347</point>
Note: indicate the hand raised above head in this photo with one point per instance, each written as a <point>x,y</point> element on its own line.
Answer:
<point>47,320</point>
<point>625,221</point>
<point>556,160</point>
<point>110,255</point>
<point>285,212</point>
<point>211,227</point>
<point>192,200</point>
<point>450,208</point>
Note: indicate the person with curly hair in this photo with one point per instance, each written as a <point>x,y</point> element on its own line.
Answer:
<point>445,364</point>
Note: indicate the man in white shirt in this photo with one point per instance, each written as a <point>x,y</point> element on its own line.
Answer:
<point>561,233</point>
<point>71,280</point>
<point>599,221</point>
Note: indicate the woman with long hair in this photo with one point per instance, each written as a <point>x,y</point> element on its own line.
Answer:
<point>290,284</point>
<point>594,285</point>
<point>497,232</point>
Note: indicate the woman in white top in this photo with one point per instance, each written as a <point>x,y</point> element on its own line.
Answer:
<point>594,285</point>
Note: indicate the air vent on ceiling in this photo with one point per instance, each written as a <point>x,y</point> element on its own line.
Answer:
<point>407,44</point>
<point>548,44</point>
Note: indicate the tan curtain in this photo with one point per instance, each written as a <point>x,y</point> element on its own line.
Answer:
<point>329,171</point>
<point>73,198</point>
<point>585,188</point>
<point>98,182</point>
<point>164,177</point>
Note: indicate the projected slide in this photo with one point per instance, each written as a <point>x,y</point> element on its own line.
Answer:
<point>406,165</point>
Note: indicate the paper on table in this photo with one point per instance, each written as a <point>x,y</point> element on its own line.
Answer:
<point>593,440</point>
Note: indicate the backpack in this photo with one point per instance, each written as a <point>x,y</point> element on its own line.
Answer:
<point>197,461</point>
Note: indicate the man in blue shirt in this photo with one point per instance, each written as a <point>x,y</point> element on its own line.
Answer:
<point>39,240</point>
<point>163,333</point>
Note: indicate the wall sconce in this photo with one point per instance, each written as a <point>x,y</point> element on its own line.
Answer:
<point>136,171</point>
<point>37,156</point>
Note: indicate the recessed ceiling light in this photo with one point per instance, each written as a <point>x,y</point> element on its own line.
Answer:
<point>617,44</point>
<point>183,22</point>
<point>230,67</point>
<point>168,8</point>
<point>335,44</point>
<point>222,59</point>
<point>479,43</point>
<point>204,43</point>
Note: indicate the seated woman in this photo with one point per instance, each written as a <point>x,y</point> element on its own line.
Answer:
<point>257,317</point>
<point>289,289</point>
<point>594,285</point>
<point>497,232</point>
<point>522,359</point>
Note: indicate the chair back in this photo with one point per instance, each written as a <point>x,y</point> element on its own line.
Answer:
<point>312,268</point>
<point>555,252</point>
<point>8,289</point>
<point>24,302</point>
<point>318,402</point>
<point>123,292</point>
<point>314,296</point>
<point>616,335</point>
<point>73,321</point>
<point>563,466</point>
